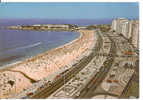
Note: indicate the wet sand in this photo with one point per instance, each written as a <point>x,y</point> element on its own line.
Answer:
<point>36,68</point>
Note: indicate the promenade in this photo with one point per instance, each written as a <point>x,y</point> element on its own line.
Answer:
<point>72,88</point>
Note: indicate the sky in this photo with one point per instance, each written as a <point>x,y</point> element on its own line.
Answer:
<point>92,10</point>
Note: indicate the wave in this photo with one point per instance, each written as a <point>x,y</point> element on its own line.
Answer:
<point>22,47</point>
<point>30,46</point>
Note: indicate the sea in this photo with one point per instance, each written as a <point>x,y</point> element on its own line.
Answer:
<point>16,45</point>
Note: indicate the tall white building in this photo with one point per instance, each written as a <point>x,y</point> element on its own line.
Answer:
<point>125,28</point>
<point>120,25</point>
<point>114,24</point>
<point>135,34</point>
<point>129,29</point>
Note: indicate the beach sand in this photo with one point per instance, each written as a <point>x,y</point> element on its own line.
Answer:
<point>39,67</point>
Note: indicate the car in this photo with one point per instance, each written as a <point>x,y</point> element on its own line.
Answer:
<point>94,81</point>
<point>29,93</point>
<point>109,81</point>
<point>128,53</point>
<point>99,79</point>
<point>57,77</point>
<point>115,81</point>
<point>41,87</point>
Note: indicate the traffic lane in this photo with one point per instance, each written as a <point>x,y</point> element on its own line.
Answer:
<point>99,76</point>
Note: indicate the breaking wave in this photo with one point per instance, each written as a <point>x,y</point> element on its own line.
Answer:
<point>30,46</point>
<point>22,47</point>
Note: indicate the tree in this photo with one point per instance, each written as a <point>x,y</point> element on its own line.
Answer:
<point>11,82</point>
<point>91,27</point>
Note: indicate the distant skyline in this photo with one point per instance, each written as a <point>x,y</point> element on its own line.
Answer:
<point>60,10</point>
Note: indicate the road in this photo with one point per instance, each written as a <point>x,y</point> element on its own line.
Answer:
<point>47,90</point>
<point>119,44</point>
<point>97,79</point>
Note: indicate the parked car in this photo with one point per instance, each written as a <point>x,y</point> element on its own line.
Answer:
<point>116,81</point>
<point>29,93</point>
<point>128,53</point>
<point>109,81</point>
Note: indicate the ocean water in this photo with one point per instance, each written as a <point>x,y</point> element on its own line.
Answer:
<point>16,45</point>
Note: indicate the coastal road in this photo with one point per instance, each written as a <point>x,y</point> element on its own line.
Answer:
<point>49,89</point>
<point>117,45</point>
<point>87,92</point>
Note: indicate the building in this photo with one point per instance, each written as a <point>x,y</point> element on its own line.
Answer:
<point>114,24</point>
<point>128,28</point>
<point>135,34</point>
<point>125,28</point>
<point>121,25</point>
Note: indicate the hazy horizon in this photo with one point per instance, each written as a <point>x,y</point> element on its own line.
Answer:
<point>92,10</point>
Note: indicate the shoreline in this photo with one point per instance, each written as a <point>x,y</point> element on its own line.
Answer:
<point>72,51</point>
<point>8,66</point>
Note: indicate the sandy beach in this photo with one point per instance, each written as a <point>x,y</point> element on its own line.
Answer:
<point>21,75</point>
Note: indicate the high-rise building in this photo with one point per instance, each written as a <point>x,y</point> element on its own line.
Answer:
<point>114,24</point>
<point>128,28</point>
<point>135,34</point>
<point>125,28</point>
